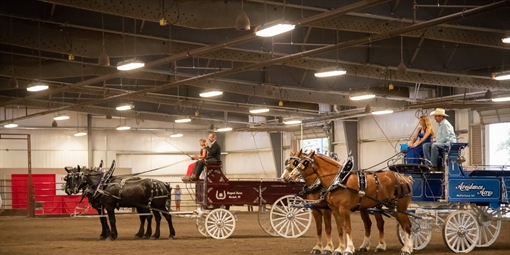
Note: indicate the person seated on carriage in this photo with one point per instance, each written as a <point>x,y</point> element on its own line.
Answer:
<point>213,155</point>
<point>201,156</point>
<point>444,136</point>
<point>422,135</point>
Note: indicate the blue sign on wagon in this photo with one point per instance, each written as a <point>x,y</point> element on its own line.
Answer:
<point>474,189</point>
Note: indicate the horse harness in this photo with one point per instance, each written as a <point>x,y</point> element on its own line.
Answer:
<point>346,170</point>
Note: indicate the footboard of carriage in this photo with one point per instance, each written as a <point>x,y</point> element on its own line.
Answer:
<point>280,211</point>
<point>466,206</point>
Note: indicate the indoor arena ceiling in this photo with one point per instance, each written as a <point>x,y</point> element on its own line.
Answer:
<point>447,51</point>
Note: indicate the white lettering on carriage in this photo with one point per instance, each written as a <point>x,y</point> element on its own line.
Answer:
<point>234,194</point>
<point>481,189</point>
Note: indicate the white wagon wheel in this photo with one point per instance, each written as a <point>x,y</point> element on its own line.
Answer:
<point>421,232</point>
<point>461,231</point>
<point>220,223</point>
<point>200,223</point>
<point>489,227</point>
<point>289,218</point>
<point>265,220</point>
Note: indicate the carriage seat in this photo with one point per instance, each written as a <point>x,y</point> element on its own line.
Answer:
<point>497,173</point>
<point>409,168</point>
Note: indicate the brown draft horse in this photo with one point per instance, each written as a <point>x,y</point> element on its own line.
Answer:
<point>321,212</point>
<point>387,188</point>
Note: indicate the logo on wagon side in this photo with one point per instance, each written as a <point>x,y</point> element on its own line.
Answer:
<point>471,186</point>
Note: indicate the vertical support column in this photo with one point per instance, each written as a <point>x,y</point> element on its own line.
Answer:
<point>277,145</point>
<point>351,139</point>
<point>30,184</point>
<point>89,140</point>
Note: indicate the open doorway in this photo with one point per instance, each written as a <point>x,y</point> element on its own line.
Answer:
<point>498,144</point>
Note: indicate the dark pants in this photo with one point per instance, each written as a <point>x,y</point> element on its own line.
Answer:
<point>199,167</point>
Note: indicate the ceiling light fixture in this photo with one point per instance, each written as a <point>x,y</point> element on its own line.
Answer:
<point>176,135</point>
<point>54,124</point>
<point>501,99</point>
<point>256,110</point>
<point>292,122</point>
<point>242,21</point>
<point>211,93</point>
<point>225,129</point>
<point>506,39</point>
<point>61,117</point>
<point>382,112</point>
<point>274,28</point>
<point>130,64</point>
<point>123,127</point>
<point>501,76</point>
<point>80,133</point>
<point>183,120</point>
<point>361,96</point>
<point>37,86</point>
<point>10,125</point>
<point>103,59</point>
<point>125,107</point>
<point>330,71</point>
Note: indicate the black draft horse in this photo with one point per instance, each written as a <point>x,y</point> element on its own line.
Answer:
<point>143,194</point>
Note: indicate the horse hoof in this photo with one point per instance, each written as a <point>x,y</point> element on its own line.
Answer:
<point>337,253</point>
<point>327,252</point>
<point>405,253</point>
<point>347,253</point>
<point>155,238</point>
<point>137,237</point>
<point>363,249</point>
<point>171,237</point>
<point>379,250</point>
<point>102,238</point>
<point>315,251</point>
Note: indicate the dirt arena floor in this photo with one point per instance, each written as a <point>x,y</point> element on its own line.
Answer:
<point>78,236</point>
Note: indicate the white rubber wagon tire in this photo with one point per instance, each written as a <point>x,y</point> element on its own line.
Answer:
<point>421,232</point>
<point>220,223</point>
<point>489,223</point>
<point>289,218</point>
<point>265,220</point>
<point>461,231</point>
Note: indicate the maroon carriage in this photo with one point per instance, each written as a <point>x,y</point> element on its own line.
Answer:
<point>281,212</point>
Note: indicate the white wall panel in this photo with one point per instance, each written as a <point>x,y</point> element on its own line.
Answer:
<point>339,132</point>
<point>395,125</point>
<point>374,153</point>
<point>239,141</point>
<point>250,164</point>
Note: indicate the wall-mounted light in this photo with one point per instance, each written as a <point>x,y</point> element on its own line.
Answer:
<point>330,71</point>
<point>211,93</point>
<point>61,117</point>
<point>382,112</point>
<point>183,120</point>
<point>225,129</point>
<point>256,110</point>
<point>130,64</point>
<point>176,135</point>
<point>501,99</point>
<point>501,76</point>
<point>292,122</point>
<point>125,107</point>
<point>364,96</point>
<point>10,125</point>
<point>123,127</point>
<point>37,86</point>
<point>80,133</point>
<point>274,28</point>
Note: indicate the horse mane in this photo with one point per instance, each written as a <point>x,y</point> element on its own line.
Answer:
<point>328,160</point>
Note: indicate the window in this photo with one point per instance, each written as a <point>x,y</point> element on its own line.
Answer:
<point>318,145</point>
<point>498,144</point>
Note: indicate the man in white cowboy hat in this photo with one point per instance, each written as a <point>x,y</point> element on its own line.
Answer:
<point>444,136</point>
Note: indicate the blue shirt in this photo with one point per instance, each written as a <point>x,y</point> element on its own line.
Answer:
<point>177,194</point>
<point>445,132</point>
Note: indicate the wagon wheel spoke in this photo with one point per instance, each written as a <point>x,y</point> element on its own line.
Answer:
<point>287,220</point>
